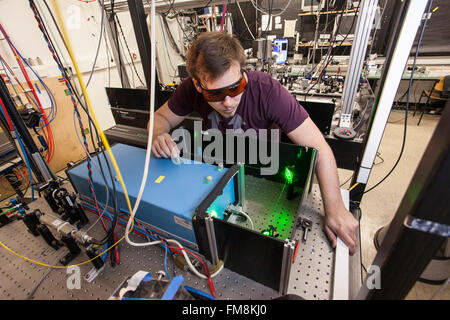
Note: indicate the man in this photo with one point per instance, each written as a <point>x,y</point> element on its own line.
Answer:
<point>227,97</point>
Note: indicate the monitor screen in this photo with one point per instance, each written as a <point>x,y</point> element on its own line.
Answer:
<point>127,98</point>
<point>347,25</point>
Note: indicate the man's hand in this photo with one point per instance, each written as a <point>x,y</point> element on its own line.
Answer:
<point>164,146</point>
<point>164,121</point>
<point>341,223</point>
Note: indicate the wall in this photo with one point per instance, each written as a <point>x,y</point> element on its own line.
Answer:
<point>83,24</point>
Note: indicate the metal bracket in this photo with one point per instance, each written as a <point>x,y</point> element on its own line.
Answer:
<point>241,185</point>
<point>427,226</point>
<point>93,273</point>
<point>288,253</point>
<point>209,223</point>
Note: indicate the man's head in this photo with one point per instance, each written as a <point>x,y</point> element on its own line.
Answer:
<point>216,60</point>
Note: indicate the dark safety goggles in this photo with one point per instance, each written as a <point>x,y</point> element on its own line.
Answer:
<point>232,90</point>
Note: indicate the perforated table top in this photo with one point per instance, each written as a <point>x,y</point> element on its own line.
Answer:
<point>311,273</point>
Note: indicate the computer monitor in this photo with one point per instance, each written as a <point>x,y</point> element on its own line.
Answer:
<point>128,98</point>
<point>312,5</point>
<point>281,48</point>
<point>347,26</point>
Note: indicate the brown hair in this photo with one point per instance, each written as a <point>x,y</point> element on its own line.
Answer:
<point>212,54</point>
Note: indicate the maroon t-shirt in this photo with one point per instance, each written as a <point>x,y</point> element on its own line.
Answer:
<point>265,104</point>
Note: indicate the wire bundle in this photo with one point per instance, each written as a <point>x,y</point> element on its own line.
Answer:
<point>71,90</point>
<point>329,55</point>
<point>110,241</point>
<point>48,135</point>
<point>224,14</point>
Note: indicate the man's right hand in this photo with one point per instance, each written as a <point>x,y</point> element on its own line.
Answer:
<point>164,146</point>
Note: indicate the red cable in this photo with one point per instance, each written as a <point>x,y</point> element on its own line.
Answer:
<point>176,250</point>
<point>33,91</point>
<point>205,268</point>
<point>222,23</point>
<point>295,252</point>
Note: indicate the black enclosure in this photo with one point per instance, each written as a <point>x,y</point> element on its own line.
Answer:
<point>243,250</point>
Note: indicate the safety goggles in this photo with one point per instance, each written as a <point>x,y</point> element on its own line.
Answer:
<point>232,90</point>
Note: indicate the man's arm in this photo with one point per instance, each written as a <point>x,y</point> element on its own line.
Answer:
<point>339,221</point>
<point>164,120</point>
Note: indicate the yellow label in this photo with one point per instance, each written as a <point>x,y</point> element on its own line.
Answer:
<point>159,179</point>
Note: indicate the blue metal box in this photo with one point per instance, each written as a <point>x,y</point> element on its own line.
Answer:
<point>172,193</point>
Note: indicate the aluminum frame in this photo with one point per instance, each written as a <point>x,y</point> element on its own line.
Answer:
<point>357,58</point>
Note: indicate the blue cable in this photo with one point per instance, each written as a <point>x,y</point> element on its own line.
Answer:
<point>142,230</point>
<point>9,78</point>
<point>54,107</point>
<point>165,264</point>
<point>28,164</point>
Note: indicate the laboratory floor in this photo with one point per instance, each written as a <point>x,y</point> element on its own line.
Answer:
<point>380,205</point>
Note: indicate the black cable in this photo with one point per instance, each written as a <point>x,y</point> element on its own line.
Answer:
<point>270,16</point>
<point>330,56</point>
<point>116,39</point>
<point>407,103</point>
<point>347,180</point>
<point>67,77</point>
<point>176,14</point>
<point>331,44</point>
<point>91,122</point>
<point>379,156</point>
<point>171,39</point>
<point>56,57</point>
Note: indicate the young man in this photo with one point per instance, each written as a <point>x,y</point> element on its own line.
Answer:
<point>228,97</point>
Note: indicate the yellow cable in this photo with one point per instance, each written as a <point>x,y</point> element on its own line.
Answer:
<point>102,136</point>
<point>353,186</point>
<point>58,267</point>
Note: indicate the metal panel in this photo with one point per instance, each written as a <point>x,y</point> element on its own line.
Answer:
<point>341,269</point>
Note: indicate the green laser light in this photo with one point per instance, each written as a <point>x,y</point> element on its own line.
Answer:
<point>288,175</point>
<point>213,213</point>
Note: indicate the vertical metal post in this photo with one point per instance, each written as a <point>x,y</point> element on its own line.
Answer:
<point>357,56</point>
<point>410,19</point>
<point>241,185</point>
<point>288,253</point>
<point>209,223</point>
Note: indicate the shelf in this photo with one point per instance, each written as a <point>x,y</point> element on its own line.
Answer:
<point>323,44</point>
<point>325,12</point>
